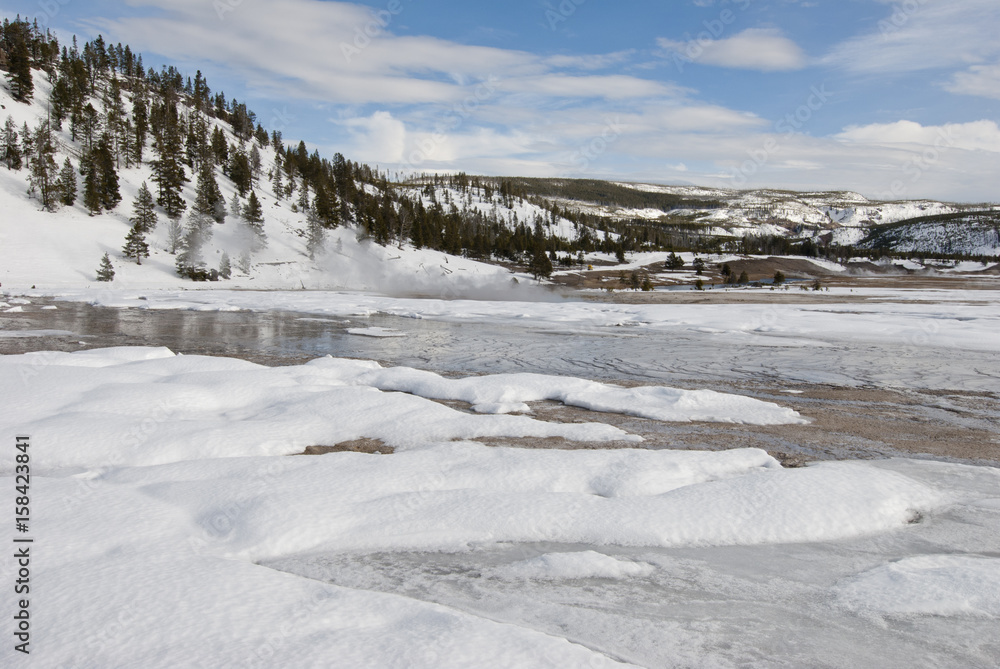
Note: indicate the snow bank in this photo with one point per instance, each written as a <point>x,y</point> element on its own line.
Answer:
<point>932,585</point>
<point>508,393</point>
<point>143,406</point>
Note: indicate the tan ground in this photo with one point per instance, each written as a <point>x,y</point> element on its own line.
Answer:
<point>801,274</point>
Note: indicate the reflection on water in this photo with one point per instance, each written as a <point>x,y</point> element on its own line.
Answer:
<point>634,354</point>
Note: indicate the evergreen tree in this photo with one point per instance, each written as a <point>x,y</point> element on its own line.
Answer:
<point>168,170</point>
<point>66,184</point>
<point>779,278</point>
<point>325,204</point>
<point>243,262</point>
<point>135,245</point>
<point>27,141</point>
<point>744,277</point>
<point>104,161</point>
<point>303,196</point>
<point>255,164</point>
<point>91,183</point>
<point>239,172</point>
<point>140,117</point>
<point>42,164</point>
<point>12,156</point>
<point>209,200</point>
<point>88,127</point>
<point>22,87</point>
<point>253,214</point>
<point>541,266</point>
<point>315,235</point>
<point>189,262</point>
<point>106,272</point>
<point>279,187</point>
<point>175,235</point>
<point>144,212</point>
<point>225,269</point>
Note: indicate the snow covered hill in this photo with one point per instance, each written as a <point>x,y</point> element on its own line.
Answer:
<point>62,249</point>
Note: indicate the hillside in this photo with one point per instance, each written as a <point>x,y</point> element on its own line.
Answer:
<point>52,250</point>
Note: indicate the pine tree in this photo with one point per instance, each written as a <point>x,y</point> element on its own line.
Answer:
<point>168,170</point>
<point>541,266</point>
<point>225,268</point>
<point>175,235</point>
<point>12,156</point>
<point>303,196</point>
<point>106,272</point>
<point>140,117</point>
<point>91,183</point>
<point>209,200</point>
<point>315,235</point>
<point>255,164</point>
<point>253,214</point>
<point>66,184</point>
<point>22,87</point>
<point>239,172</point>
<point>243,262</point>
<point>104,160</point>
<point>279,187</point>
<point>144,211</point>
<point>135,245</point>
<point>88,127</point>
<point>42,163</point>
<point>189,261</point>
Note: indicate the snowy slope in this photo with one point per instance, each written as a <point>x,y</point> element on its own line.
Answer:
<point>63,249</point>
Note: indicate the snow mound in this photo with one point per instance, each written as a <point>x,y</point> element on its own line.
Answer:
<point>932,585</point>
<point>583,564</point>
<point>143,406</point>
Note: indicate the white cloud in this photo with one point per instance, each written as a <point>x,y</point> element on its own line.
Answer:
<point>379,138</point>
<point>764,49</point>
<point>923,35</point>
<point>979,80</point>
<point>974,136</point>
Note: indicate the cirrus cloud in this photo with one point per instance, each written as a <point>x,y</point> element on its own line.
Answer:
<point>763,49</point>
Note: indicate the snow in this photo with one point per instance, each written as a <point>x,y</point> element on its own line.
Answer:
<point>377,332</point>
<point>180,525</point>
<point>169,408</point>
<point>175,540</point>
<point>582,564</point>
<point>61,250</point>
<point>929,585</point>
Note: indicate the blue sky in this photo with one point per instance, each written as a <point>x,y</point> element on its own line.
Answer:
<point>895,100</point>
